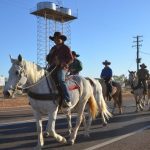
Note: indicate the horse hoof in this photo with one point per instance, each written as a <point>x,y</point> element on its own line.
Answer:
<point>46,135</point>
<point>70,142</point>
<point>104,124</point>
<point>64,141</point>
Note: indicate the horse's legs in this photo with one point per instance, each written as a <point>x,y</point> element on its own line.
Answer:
<point>141,103</point>
<point>78,122</point>
<point>119,107</point>
<point>68,115</point>
<point>50,128</point>
<point>87,123</point>
<point>113,110</point>
<point>136,102</point>
<point>39,129</point>
<point>148,99</point>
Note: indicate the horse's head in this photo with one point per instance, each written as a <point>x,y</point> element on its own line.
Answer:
<point>17,77</point>
<point>132,77</point>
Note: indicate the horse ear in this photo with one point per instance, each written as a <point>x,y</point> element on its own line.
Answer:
<point>19,57</point>
<point>11,59</point>
<point>129,71</point>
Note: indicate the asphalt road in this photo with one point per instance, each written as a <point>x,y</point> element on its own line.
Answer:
<point>130,131</point>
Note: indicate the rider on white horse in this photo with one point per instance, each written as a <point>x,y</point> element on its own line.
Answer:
<point>60,56</point>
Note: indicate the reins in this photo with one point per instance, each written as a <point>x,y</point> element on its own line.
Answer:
<point>27,87</point>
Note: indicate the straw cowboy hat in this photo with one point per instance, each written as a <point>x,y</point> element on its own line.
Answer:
<point>75,54</point>
<point>143,65</point>
<point>106,62</point>
<point>58,34</point>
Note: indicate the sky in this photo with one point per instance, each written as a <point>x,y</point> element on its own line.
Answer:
<point>104,30</point>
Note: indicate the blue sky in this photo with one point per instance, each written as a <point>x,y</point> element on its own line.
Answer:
<point>104,30</point>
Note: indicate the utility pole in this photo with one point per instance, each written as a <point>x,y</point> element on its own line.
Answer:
<point>138,45</point>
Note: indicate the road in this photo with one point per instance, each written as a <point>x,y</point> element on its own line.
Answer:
<point>130,131</point>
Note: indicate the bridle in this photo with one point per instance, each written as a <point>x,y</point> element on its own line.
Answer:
<point>20,72</point>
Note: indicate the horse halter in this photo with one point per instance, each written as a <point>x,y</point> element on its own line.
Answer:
<point>22,75</point>
<point>22,78</point>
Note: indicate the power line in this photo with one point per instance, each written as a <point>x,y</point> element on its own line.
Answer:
<point>144,53</point>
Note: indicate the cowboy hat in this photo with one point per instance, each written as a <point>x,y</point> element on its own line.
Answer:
<point>58,34</point>
<point>75,54</point>
<point>143,65</point>
<point>106,62</point>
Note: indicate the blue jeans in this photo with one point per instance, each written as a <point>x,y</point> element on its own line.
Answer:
<point>61,74</point>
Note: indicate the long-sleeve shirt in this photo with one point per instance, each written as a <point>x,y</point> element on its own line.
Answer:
<point>60,56</point>
<point>106,72</point>
<point>143,74</point>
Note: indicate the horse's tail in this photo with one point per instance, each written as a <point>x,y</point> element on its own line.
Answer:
<point>103,108</point>
<point>93,106</point>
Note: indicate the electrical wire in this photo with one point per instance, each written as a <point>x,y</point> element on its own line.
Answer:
<point>144,53</point>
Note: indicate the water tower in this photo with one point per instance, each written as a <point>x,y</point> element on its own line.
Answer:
<point>51,18</point>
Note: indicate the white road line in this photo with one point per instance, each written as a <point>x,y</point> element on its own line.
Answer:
<point>116,139</point>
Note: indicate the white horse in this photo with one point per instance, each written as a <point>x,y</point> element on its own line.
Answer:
<point>44,98</point>
<point>138,92</point>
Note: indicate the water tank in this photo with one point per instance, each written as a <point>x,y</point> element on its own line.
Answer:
<point>43,5</point>
<point>64,10</point>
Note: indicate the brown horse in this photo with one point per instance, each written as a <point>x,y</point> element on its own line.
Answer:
<point>116,94</point>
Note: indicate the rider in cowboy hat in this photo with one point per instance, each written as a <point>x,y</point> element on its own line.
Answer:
<point>76,66</point>
<point>106,74</point>
<point>143,75</point>
<point>60,56</point>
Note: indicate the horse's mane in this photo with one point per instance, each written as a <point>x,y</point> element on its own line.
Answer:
<point>34,71</point>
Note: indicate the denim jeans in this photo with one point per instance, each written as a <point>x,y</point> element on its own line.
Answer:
<point>61,74</point>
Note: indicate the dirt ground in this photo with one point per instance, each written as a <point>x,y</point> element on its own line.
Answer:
<point>22,100</point>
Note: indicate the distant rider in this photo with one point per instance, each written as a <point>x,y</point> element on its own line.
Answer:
<point>143,76</point>
<point>106,74</point>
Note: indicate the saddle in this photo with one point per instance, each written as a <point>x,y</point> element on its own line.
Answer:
<point>114,89</point>
<point>55,92</point>
<point>71,85</point>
